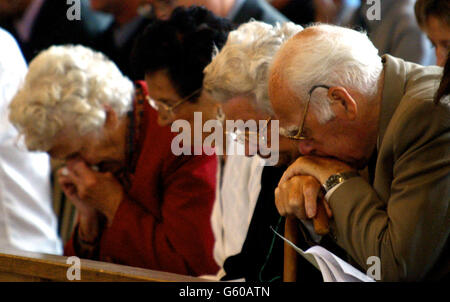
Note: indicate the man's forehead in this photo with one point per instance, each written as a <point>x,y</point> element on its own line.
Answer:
<point>285,103</point>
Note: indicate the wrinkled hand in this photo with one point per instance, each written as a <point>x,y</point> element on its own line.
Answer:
<point>321,168</point>
<point>89,190</point>
<point>70,190</point>
<point>298,196</point>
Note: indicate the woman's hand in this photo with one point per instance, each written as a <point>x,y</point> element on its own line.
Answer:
<point>90,190</point>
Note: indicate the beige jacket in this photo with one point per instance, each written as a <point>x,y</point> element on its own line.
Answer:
<point>404,217</point>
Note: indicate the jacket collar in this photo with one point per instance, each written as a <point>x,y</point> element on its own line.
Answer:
<point>393,91</point>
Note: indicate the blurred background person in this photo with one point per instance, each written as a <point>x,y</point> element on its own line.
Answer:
<point>238,11</point>
<point>27,220</point>
<point>395,33</point>
<point>129,19</point>
<point>298,11</point>
<point>138,204</point>
<point>38,24</point>
<point>335,11</point>
<point>433,17</point>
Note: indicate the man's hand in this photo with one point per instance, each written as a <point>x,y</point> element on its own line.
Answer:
<point>90,190</point>
<point>298,196</point>
<point>321,168</point>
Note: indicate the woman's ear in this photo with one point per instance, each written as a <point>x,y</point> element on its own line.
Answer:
<point>342,103</point>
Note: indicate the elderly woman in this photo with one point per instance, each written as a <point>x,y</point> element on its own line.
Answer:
<point>237,79</point>
<point>433,17</point>
<point>138,204</point>
<point>171,73</point>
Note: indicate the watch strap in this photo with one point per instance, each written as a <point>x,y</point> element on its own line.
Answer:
<point>338,178</point>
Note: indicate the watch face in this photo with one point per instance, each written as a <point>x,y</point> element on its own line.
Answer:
<point>336,179</point>
<point>333,180</point>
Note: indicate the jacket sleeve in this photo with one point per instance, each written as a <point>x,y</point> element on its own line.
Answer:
<point>409,230</point>
<point>180,239</point>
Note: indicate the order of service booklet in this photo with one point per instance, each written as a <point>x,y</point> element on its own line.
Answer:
<point>333,268</point>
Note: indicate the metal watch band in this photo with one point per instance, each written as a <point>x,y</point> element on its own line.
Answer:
<point>338,178</point>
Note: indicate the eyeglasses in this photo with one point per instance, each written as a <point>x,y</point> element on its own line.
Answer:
<point>243,136</point>
<point>300,135</point>
<point>168,110</point>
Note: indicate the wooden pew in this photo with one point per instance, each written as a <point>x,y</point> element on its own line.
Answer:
<point>27,266</point>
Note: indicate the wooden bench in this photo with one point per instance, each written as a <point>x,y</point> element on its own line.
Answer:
<point>27,266</point>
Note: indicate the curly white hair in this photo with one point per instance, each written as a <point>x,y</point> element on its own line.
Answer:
<point>68,86</point>
<point>241,68</point>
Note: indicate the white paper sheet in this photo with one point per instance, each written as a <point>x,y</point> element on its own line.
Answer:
<point>333,268</point>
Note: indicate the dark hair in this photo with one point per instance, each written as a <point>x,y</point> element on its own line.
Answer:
<point>183,45</point>
<point>444,87</point>
<point>437,8</point>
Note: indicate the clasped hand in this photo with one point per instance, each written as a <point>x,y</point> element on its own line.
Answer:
<point>300,185</point>
<point>90,191</point>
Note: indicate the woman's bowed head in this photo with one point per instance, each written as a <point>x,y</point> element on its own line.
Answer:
<point>73,106</point>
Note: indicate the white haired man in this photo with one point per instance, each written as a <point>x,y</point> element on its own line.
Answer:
<point>237,79</point>
<point>347,108</point>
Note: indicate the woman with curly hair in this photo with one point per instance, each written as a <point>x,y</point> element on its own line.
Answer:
<point>138,204</point>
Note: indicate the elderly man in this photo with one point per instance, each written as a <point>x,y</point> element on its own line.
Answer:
<point>347,109</point>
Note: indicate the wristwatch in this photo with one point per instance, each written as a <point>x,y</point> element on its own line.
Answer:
<point>338,178</point>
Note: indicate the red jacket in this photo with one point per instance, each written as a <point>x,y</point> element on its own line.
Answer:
<point>164,222</point>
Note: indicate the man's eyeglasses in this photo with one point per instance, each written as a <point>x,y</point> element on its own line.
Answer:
<point>168,110</point>
<point>300,134</point>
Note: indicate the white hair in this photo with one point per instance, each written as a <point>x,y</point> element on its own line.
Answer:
<point>336,56</point>
<point>68,86</point>
<point>241,68</point>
